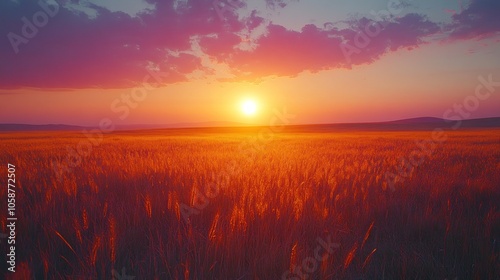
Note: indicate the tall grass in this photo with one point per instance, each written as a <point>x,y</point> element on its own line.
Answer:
<point>121,208</point>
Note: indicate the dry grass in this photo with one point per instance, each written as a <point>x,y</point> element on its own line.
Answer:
<point>122,206</point>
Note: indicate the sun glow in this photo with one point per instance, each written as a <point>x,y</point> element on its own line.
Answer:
<point>249,107</point>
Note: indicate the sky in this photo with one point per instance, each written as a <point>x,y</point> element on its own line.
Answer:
<point>166,62</point>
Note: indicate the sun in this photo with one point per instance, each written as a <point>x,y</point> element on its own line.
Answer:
<point>249,107</point>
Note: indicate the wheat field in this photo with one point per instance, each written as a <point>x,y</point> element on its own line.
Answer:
<point>187,204</point>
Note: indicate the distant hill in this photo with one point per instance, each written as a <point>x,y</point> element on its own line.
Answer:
<point>484,122</point>
<point>424,123</point>
<point>418,120</point>
<point>34,127</point>
<point>429,121</point>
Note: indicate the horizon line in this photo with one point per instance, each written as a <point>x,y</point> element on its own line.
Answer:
<point>229,124</point>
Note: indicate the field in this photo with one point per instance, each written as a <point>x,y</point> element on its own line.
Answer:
<point>187,204</point>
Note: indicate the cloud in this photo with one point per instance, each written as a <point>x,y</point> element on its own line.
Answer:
<point>283,52</point>
<point>367,40</point>
<point>94,47</point>
<point>111,50</point>
<point>277,3</point>
<point>480,19</point>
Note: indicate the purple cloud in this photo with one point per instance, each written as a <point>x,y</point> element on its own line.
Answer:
<point>366,40</point>
<point>480,19</point>
<point>115,50</point>
<point>277,3</point>
<point>112,50</point>
<point>282,52</point>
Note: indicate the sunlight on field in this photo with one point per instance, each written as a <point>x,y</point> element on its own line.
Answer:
<point>257,212</point>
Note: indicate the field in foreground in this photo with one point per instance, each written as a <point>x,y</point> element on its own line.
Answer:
<point>174,205</point>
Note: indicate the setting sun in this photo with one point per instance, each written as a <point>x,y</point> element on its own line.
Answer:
<point>249,107</point>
